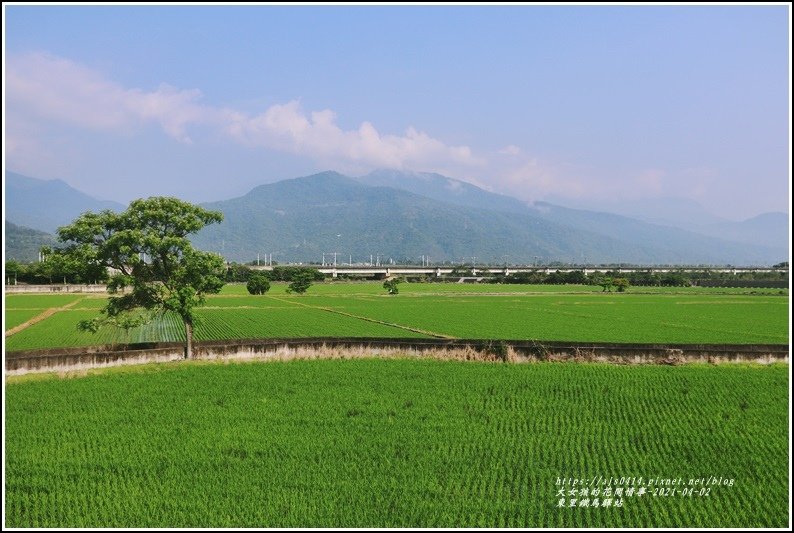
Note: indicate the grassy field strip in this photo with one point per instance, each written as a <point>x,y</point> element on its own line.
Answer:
<point>684,326</point>
<point>367,319</point>
<point>15,317</point>
<point>38,318</point>
<point>291,321</point>
<point>40,301</point>
<point>601,318</point>
<point>365,311</point>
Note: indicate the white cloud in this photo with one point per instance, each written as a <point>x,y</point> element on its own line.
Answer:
<point>54,88</point>
<point>43,91</point>
<point>510,149</point>
<point>287,127</point>
<point>533,179</point>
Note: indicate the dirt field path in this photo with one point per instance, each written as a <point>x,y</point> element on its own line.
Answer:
<point>38,318</point>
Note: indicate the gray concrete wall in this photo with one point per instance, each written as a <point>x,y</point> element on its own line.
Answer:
<point>67,359</point>
<point>12,289</point>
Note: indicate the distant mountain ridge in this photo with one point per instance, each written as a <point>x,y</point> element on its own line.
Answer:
<point>404,216</point>
<point>680,230</point>
<point>444,189</point>
<point>47,204</point>
<point>769,229</point>
<point>23,244</point>
<point>766,229</point>
<point>303,218</point>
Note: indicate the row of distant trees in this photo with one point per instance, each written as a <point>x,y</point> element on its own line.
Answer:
<point>642,278</point>
<point>55,268</point>
<point>241,273</point>
<point>62,268</point>
<point>59,268</point>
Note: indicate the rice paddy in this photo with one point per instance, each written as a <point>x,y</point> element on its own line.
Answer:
<point>399,443</point>
<point>539,312</point>
<point>405,442</point>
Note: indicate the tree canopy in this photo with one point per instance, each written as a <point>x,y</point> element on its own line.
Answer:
<point>155,269</point>
<point>391,285</point>
<point>258,284</point>
<point>301,281</point>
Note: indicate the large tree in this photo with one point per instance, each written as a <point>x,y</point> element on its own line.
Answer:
<point>154,267</point>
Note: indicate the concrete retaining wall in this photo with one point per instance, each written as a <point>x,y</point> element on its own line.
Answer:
<point>12,289</point>
<point>66,359</point>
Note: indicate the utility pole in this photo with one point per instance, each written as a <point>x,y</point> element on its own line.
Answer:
<point>257,259</point>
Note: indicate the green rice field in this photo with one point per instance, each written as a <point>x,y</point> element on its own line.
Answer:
<point>541,312</point>
<point>399,443</point>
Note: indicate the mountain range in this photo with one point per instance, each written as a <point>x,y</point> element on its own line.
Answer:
<point>23,244</point>
<point>406,215</point>
<point>45,205</point>
<point>769,229</point>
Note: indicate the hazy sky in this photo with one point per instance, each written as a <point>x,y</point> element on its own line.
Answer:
<point>585,103</point>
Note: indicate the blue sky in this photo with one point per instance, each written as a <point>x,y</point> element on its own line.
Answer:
<point>581,105</point>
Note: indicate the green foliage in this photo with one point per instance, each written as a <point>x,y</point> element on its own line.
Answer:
<point>499,348</point>
<point>23,244</point>
<point>301,281</point>
<point>288,273</point>
<point>606,284</point>
<point>58,267</point>
<point>237,273</point>
<point>393,444</point>
<point>391,285</point>
<point>621,284</point>
<point>576,277</point>
<point>258,284</point>
<point>649,279</point>
<point>156,267</point>
<point>674,279</point>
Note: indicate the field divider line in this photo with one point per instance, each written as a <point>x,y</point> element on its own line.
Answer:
<point>365,318</point>
<point>41,316</point>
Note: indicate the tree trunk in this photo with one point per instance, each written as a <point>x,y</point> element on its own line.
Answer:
<point>189,337</point>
